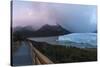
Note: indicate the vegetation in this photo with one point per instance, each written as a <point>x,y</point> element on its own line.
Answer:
<point>62,54</point>
<point>17,36</point>
<point>15,46</point>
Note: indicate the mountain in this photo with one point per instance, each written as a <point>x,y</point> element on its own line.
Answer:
<point>52,30</point>
<point>17,28</point>
<point>23,32</point>
<point>46,30</point>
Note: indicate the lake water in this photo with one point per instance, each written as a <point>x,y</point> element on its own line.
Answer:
<point>89,39</point>
<point>51,40</point>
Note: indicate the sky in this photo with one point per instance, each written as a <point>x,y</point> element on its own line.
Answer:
<point>74,18</point>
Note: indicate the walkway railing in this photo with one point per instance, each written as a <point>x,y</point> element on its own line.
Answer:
<point>38,57</point>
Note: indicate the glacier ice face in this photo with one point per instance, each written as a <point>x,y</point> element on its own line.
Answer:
<point>90,38</point>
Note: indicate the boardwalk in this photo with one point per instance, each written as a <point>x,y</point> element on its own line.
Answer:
<point>23,55</point>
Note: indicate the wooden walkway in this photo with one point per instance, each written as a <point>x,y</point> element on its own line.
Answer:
<point>27,54</point>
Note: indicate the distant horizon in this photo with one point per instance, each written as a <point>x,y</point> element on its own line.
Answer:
<point>49,25</point>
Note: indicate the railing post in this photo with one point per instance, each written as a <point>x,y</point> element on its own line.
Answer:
<point>38,57</point>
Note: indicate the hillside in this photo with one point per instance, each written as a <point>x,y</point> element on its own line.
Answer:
<point>44,31</point>
<point>62,54</point>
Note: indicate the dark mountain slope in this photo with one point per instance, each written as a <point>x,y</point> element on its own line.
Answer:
<point>44,31</point>
<point>51,30</point>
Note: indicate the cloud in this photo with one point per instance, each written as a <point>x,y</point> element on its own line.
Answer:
<point>75,18</point>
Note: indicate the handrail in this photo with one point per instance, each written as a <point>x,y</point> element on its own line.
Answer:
<point>38,57</point>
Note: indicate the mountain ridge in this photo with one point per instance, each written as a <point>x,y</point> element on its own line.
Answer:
<point>45,30</point>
